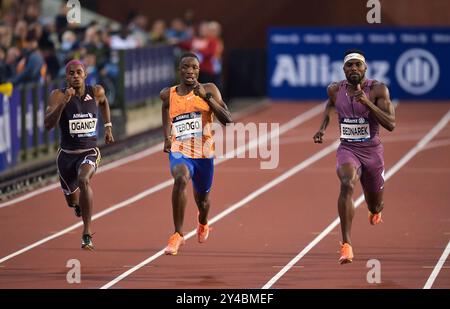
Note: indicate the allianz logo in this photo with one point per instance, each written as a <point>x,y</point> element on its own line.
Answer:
<point>417,71</point>
<point>317,70</point>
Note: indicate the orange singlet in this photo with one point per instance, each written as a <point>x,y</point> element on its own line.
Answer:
<point>191,120</point>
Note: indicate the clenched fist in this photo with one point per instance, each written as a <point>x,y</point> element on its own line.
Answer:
<point>68,94</point>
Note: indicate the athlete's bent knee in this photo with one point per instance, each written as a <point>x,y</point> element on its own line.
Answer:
<point>347,185</point>
<point>83,182</point>
<point>181,180</point>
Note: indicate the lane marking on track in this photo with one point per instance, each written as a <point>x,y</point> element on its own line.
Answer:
<point>309,114</point>
<point>432,267</point>
<point>441,143</point>
<point>438,267</point>
<point>405,159</point>
<point>289,173</point>
<point>281,266</point>
<point>139,155</point>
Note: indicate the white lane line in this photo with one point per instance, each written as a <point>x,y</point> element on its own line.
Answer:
<point>408,156</point>
<point>229,155</point>
<point>438,267</point>
<point>292,171</point>
<point>103,168</point>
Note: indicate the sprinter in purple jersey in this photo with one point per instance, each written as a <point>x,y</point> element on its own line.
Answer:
<point>362,105</point>
<point>75,109</point>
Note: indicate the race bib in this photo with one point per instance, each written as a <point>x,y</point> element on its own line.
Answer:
<point>187,125</point>
<point>84,127</point>
<point>355,129</point>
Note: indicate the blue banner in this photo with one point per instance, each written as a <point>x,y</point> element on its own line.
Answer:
<point>9,137</point>
<point>29,116</point>
<point>413,62</point>
<point>147,71</point>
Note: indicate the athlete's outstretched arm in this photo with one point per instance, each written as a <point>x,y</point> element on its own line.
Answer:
<point>329,108</point>
<point>218,106</point>
<point>164,95</point>
<point>102,100</point>
<point>384,110</point>
<point>57,102</point>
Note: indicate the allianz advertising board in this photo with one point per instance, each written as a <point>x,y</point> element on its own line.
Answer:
<point>413,62</point>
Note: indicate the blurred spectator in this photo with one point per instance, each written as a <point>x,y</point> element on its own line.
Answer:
<point>69,44</point>
<point>32,13</point>
<point>189,19</point>
<point>206,47</point>
<point>94,44</point>
<point>31,67</point>
<point>51,61</point>
<point>123,40</point>
<point>177,32</point>
<point>51,34</point>
<point>61,19</point>
<point>158,32</point>
<point>6,35</point>
<point>90,62</point>
<point>214,33</point>
<point>68,41</point>
<point>12,57</point>
<point>138,28</point>
<point>20,33</point>
<point>4,74</point>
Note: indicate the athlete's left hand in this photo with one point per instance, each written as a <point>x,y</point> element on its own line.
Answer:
<point>199,90</point>
<point>109,138</point>
<point>360,95</point>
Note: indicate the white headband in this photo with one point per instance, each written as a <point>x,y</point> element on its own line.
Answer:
<point>354,56</point>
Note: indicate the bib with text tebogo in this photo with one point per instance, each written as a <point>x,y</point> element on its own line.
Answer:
<point>355,129</point>
<point>83,127</point>
<point>187,125</point>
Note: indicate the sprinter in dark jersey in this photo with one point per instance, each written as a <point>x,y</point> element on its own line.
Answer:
<point>362,105</point>
<point>75,108</point>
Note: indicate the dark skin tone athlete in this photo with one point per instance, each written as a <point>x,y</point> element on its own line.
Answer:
<point>189,69</point>
<point>382,109</point>
<point>75,77</point>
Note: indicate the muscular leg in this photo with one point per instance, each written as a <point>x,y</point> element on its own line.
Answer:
<point>348,176</point>
<point>73,199</point>
<point>181,176</point>
<point>85,174</point>
<point>203,204</point>
<point>374,201</point>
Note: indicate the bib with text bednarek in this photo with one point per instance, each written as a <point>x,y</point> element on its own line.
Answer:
<point>187,125</point>
<point>355,129</point>
<point>83,127</point>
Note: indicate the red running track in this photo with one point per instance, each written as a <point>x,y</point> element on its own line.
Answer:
<point>254,242</point>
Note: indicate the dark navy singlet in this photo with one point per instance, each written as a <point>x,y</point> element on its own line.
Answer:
<point>78,122</point>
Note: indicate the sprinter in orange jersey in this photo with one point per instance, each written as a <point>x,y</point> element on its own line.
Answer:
<point>187,115</point>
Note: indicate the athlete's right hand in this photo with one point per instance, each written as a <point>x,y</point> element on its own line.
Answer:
<point>167,145</point>
<point>68,94</point>
<point>318,137</point>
